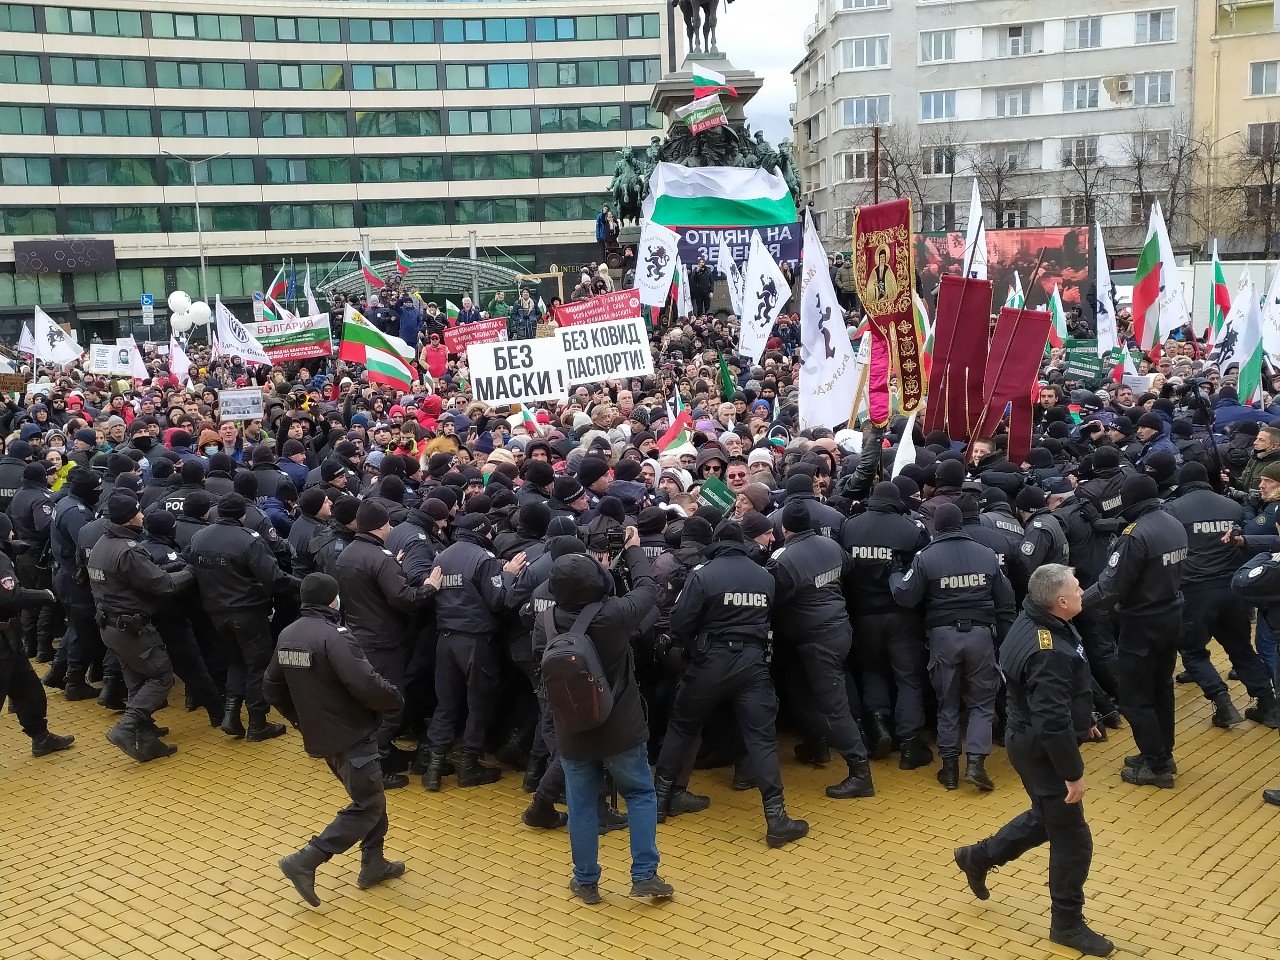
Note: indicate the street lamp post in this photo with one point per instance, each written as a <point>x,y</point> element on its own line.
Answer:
<point>1208,177</point>
<point>192,163</point>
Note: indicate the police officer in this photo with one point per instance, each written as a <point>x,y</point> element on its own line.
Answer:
<point>472,595</point>
<point>192,477</point>
<point>18,682</point>
<point>114,694</point>
<point>890,651</point>
<point>722,621</point>
<point>968,605</point>
<point>31,513</point>
<point>998,515</point>
<point>1258,582</point>
<point>128,590</point>
<point>319,679</point>
<point>809,616</point>
<point>379,599</point>
<point>1102,489</point>
<point>17,456</point>
<point>825,520</point>
<point>327,546</point>
<point>1141,582</point>
<point>194,517</point>
<point>311,521</point>
<point>83,641</point>
<point>1044,667</point>
<point>1043,541</point>
<point>238,576</point>
<point>1212,609</point>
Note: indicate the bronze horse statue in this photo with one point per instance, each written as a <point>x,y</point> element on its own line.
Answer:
<point>699,13</point>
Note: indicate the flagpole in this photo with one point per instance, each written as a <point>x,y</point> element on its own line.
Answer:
<point>863,377</point>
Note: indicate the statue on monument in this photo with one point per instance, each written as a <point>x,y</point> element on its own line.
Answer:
<point>700,14</point>
<point>630,184</point>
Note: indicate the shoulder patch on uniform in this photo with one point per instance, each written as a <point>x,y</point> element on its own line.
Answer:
<point>422,536</point>
<point>1028,547</point>
<point>779,552</point>
<point>698,567</point>
<point>496,581</point>
<point>46,509</point>
<point>172,555</point>
<point>1037,524</point>
<point>255,534</point>
<point>907,575</point>
<point>1113,559</point>
<point>1255,572</point>
<point>1129,529</point>
<point>341,629</point>
<point>294,658</point>
<point>387,552</point>
<point>1045,638</point>
<point>11,583</point>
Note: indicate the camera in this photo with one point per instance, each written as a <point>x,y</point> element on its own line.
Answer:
<point>617,539</point>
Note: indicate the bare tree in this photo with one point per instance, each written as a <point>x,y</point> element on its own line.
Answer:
<point>1087,177</point>
<point>1161,164</point>
<point>996,170</point>
<point>1251,188</point>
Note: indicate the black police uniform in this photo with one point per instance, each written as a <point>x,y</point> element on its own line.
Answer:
<point>173,499</point>
<point>18,681</point>
<point>412,542</point>
<point>1044,541</point>
<point>722,621</point>
<point>31,513</point>
<point>326,547</point>
<point>811,621</point>
<point>1049,714</point>
<point>1000,518</point>
<point>114,691</point>
<point>1141,582</point>
<point>1212,610</point>
<point>319,679</point>
<point>128,589</point>
<point>1088,546</point>
<point>185,528</point>
<point>11,470</point>
<point>238,576</point>
<point>823,519</point>
<point>890,652</point>
<point>83,642</point>
<point>304,530</point>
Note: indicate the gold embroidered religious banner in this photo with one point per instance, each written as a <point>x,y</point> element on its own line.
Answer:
<point>884,270</point>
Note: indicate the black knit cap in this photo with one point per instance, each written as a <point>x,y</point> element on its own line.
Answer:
<point>344,510</point>
<point>197,504</point>
<point>162,523</point>
<point>371,516</point>
<point>795,518</point>
<point>318,589</point>
<point>121,508</point>
<point>232,507</point>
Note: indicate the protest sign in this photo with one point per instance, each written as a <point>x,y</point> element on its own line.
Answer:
<point>612,350</point>
<point>101,359</point>
<point>521,372</point>
<point>705,113</point>
<point>621,305</point>
<point>293,338</point>
<point>1138,382</point>
<point>782,240</point>
<point>12,382</point>
<point>1085,365</point>
<point>715,494</point>
<point>458,338</point>
<point>243,404</point>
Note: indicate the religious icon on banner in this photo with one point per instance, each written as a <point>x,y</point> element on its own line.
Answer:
<point>884,270</point>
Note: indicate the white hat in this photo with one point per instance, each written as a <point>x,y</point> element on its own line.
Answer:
<point>760,456</point>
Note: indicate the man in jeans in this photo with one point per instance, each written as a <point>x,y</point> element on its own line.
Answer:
<point>620,744</point>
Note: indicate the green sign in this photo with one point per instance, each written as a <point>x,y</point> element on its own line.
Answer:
<point>1083,365</point>
<point>715,494</point>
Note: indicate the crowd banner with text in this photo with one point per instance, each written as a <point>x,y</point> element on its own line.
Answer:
<point>243,404</point>
<point>621,305</point>
<point>959,356</point>
<point>782,240</point>
<point>523,371</point>
<point>457,339</point>
<point>611,350</point>
<point>705,113</point>
<point>291,338</point>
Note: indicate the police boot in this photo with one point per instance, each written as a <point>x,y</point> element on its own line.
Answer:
<point>57,677</point>
<point>1266,712</point>
<point>1183,676</point>
<point>472,773</point>
<point>814,752</point>
<point>149,741</point>
<point>975,865</point>
<point>231,724</point>
<point>259,729</point>
<point>77,689</point>
<point>533,773</point>
<point>915,754</point>
<point>44,650</point>
<point>514,753</point>
<point>781,828</point>
<point>608,819</point>
<point>856,784</point>
<point>48,743</point>
<point>975,772</point>
<point>434,771</point>
<point>743,778</point>
<point>1143,776</point>
<point>1080,937</point>
<point>125,735</point>
<point>300,869</point>
<point>375,868</point>
<point>215,711</point>
<point>949,775</point>
<point>114,695</point>
<point>682,801</point>
<point>879,736</point>
<point>189,702</point>
<point>1137,760</point>
<point>663,786</point>
<point>543,815</point>
<point>1225,714</point>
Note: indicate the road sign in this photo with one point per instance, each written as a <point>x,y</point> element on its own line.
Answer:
<point>148,310</point>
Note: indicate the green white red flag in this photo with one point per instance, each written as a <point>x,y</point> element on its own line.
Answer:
<point>451,312</point>
<point>370,277</point>
<point>1219,303</point>
<point>276,289</point>
<point>1158,307</point>
<point>1058,328</point>
<point>365,344</point>
<point>403,263</point>
<point>706,80</point>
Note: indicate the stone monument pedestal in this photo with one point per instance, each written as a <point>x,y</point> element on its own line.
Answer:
<point>676,89</point>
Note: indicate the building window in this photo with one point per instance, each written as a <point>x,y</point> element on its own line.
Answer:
<point>222,171</point>
<point>1263,139</point>
<point>126,284</point>
<point>22,121</point>
<point>937,217</point>
<point>491,30</point>
<point>404,213</point>
<point>862,4</point>
<point>1080,152</point>
<point>401,76</point>
<point>491,166</point>
<point>642,25</point>
<point>91,71</point>
<point>1262,202</point>
<point>937,46</point>
<point>573,163</point>
<point>641,117</point>
<point>310,216</point>
<point>864,111</point>
<point>204,123</point>
<point>579,73</point>
<point>305,123</point>
<point>858,166</point>
<point>644,71</point>
<point>1151,145</point>
<point>938,105</point>
<point>238,217</point>
<point>1152,89</point>
<point>487,76</point>
<point>1013,102</point>
<point>19,68</point>
<point>201,74</point>
<point>1015,156</point>
<point>108,122</point>
<point>578,28</point>
<point>1264,78</point>
<point>300,76</point>
<point>308,170</point>
<point>113,219</point>
<point>572,208</point>
<point>204,26</point>
<point>503,210</point>
<point>27,221</point>
<point>392,31</point>
<point>110,172</point>
<point>1016,214</point>
<point>1015,41</point>
<point>1153,27</point>
<point>575,119</point>
<point>403,123</point>
<point>98,23</point>
<point>1080,94</point>
<point>1140,205</point>
<point>866,53</point>
<point>1084,33</point>
<point>938,160</point>
<point>15,18</point>
<point>297,29</point>
<point>464,122</point>
<point>408,169</point>
<point>26,171</point>
<point>1076,211</point>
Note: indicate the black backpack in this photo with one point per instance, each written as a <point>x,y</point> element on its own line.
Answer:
<point>578,690</point>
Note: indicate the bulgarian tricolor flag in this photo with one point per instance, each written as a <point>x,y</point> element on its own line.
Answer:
<point>1016,299</point>
<point>530,422</point>
<point>370,277</point>
<point>1158,307</point>
<point>379,354</point>
<point>451,312</point>
<point>276,289</point>
<point>678,439</point>
<point>706,80</point>
<point>403,263</point>
<point>1219,303</point>
<point>1058,330</point>
<point>924,336</point>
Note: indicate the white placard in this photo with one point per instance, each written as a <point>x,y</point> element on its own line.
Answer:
<point>245,404</point>
<point>519,371</point>
<point>612,350</point>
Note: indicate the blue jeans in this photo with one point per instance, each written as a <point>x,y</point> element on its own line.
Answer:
<point>584,779</point>
<point>1266,643</point>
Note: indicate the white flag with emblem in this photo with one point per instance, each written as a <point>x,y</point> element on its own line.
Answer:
<point>51,343</point>
<point>656,263</point>
<point>827,365</point>
<point>765,293</point>
<point>728,267</point>
<point>235,341</point>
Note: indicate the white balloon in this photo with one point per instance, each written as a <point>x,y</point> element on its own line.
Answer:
<point>179,302</point>
<point>199,313</point>
<point>180,323</point>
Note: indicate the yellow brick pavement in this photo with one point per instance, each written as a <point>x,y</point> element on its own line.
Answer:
<point>103,858</point>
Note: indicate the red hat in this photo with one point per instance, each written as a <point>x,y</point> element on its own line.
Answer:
<point>75,400</point>
<point>396,411</point>
<point>543,417</point>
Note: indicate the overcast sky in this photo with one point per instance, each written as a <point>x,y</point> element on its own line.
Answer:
<point>767,37</point>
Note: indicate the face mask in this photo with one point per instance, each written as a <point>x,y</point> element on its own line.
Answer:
<point>210,450</point>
